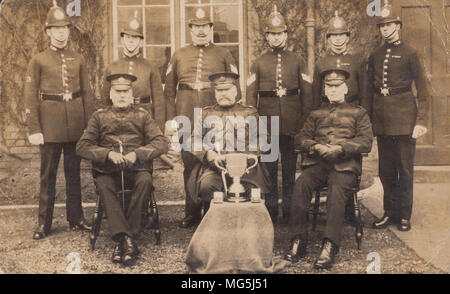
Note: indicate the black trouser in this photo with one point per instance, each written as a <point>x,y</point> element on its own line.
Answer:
<point>396,170</point>
<point>110,187</point>
<point>340,186</point>
<point>192,208</point>
<point>288,165</point>
<point>50,156</point>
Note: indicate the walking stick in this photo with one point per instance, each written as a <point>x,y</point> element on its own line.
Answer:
<point>121,174</point>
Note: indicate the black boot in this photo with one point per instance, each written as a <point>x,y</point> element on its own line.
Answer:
<point>130,251</point>
<point>117,253</point>
<point>82,225</point>
<point>40,233</point>
<point>189,221</point>
<point>297,249</point>
<point>327,255</point>
<point>384,222</point>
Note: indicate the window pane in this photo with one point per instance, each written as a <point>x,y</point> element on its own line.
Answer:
<point>160,57</point>
<point>196,1</point>
<point>225,1</point>
<point>125,15</point>
<point>226,24</point>
<point>129,2</point>
<point>158,25</point>
<point>157,2</point>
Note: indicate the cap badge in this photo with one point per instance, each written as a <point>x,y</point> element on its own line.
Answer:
<point>276,21</point>
<point>333,75</point>
<point>385,12</point>
<point>134,24</point>
<point>59,15</point>
<point>200,13</point>
<point>122,80</point>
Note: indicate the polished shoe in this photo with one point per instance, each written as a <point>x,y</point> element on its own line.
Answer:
<point>383,222</point>
<point>404,225</point>
<point>297,250</point>
<point>39,233</point>
<point>117,253</point>
<point>130,251</point>
<point>189,221</point>
<point>327,255</point>
<point>82,226</point>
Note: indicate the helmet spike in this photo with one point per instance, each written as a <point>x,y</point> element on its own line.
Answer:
<point>275,9</point>
<point>336,13</point>
<point>386,2</point>
<point>136,14</point>
<point>55,4</point>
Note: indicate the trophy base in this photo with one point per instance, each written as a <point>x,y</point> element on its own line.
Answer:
<point>237,199</point>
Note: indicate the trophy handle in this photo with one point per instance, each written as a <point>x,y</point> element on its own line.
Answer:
<point>255,158</point>
<point>217,163</point>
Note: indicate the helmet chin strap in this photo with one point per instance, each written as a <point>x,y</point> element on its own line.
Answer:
<point>391,34</point>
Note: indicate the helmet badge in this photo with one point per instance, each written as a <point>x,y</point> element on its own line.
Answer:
<point>58,14</point>
<point>276,21</point>
<point>385,12</point>
<point>200,13</point>
<point>134,24</point>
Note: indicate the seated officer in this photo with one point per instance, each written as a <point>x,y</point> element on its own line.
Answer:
<point>205,178</point>
<point>333,136</point>
<point>122,124</point>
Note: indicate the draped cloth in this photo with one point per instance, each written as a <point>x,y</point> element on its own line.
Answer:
<point>234,237</point>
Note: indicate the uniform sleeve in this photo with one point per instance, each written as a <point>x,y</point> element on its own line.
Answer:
<point>88,96</point>
<point>104,92</point>
<point>252,86</point>
<point>423,95</point>
<point>88,145</point>
<point>316,88</point>
<point>304,140</point>
<point>170,89</point>
<point>31,93</point>
<point>155,142</point>
<point>362,80</point>
<point>230,65</point>
<point>158,102</point>
<point>362,142</point>
<point>367,98</point>
<point>306,95</point>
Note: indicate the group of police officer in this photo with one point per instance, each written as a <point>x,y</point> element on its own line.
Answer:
<point>326,116</point>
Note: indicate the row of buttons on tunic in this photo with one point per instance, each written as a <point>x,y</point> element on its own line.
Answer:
<point>385,67</point>
<point>65,78</point>
<point>199,66</point>
<point>278,80</point>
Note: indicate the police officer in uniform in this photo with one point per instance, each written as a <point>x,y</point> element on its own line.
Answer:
<point>333,136</point>
<point>205,178</point>
<point>397,119</point>
<point>187,87</point>
<point>59,103</point>
<point>147,89</point>
<point>130,128</point>
<point>338,36</point>
<point>279,86</point>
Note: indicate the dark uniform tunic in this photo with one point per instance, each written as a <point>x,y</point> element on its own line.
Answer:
<point>285,69</point>
<point>205,180</point>
<point>391,70</point>
<point>187,87</point>
<point>356,83</point>
<point>147,89</point>
<point>337,124</point>
<point>139,133</point>
<point>51,74</point>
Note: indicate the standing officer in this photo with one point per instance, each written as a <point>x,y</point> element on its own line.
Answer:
<point>397,120</point>
<point>59,103</point>
<point>334,136</point>
<point>338,36</point>
<point>187,87</point>
<point>278,86</point>
<point>132,128</point>
<point>147,89</point>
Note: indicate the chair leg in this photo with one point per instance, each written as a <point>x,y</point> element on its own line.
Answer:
<point>154,216</point>
<point>358,223</point>
<point>96,222</point>
<point>316,210</point>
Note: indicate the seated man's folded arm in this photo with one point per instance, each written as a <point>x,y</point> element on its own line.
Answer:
<point>156,143</point>
<point>88,146</point>
<point>362,141</point>
<point>305,139</point>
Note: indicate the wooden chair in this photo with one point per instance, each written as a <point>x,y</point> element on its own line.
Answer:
<point>152,214</point>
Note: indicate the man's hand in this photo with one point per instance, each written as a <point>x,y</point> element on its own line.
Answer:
<point>36,139</point>
<point>321,149</point>
<point>333,152</point>
<point>130,158</point>
<point>117,159</point>
<point>211,155</point>
<point>419,131</point>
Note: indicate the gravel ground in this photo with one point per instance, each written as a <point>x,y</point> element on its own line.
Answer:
<point>20,254</point>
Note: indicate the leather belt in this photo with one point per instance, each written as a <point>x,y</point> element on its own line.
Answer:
<point>392,91</point>
<point>274,93</point>
<point>61,97</point>
<point>202,86</point>
<point>141,100</point>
